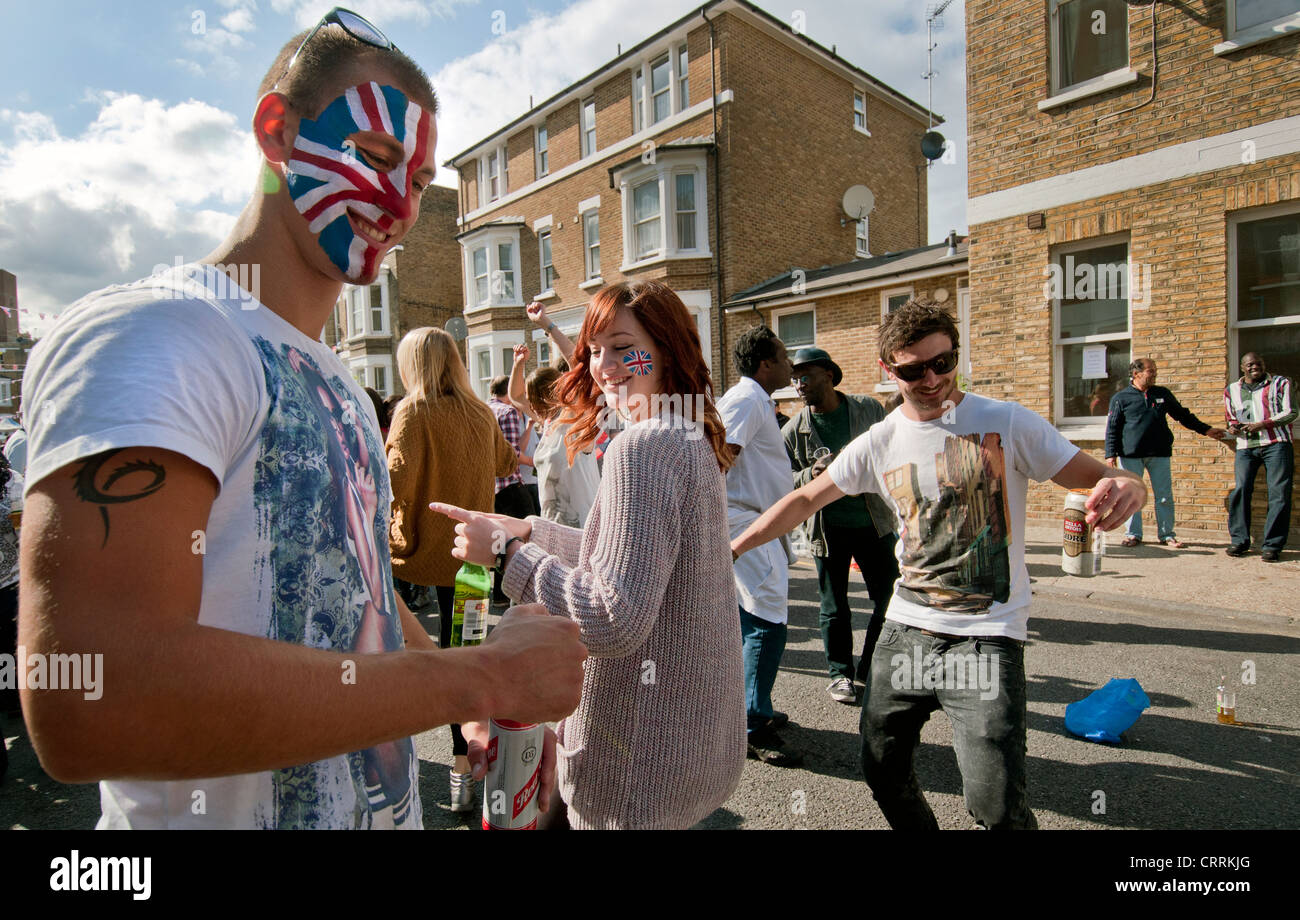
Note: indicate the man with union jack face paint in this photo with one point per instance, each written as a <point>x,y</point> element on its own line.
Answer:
<point>214,507</point>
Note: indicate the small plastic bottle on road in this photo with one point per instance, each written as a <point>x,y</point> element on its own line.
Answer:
<point>1226,702</point>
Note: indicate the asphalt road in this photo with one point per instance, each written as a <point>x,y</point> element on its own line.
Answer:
<point>1178,768</point>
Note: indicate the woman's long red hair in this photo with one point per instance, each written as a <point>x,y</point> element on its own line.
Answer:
<point>682,366</point>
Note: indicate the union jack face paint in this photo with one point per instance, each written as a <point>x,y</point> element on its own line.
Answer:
<point>327,178</point>
<point>638,362</point>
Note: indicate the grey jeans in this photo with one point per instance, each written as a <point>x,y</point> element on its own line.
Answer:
<point>979,683</point>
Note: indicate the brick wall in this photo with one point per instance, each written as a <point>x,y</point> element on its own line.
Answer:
<point>789,153</point>
<point>1197,95</point>
<point>428,275</point>
<point>1179,230</point>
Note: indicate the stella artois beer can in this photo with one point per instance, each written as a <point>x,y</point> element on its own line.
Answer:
<point>510,790</point>
<point>1080,545</point>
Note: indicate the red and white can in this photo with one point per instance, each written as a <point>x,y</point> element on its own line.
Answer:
<point>514,756</point>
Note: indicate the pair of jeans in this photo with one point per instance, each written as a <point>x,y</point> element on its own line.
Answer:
<point>1278,461</point>
<point>763,644</point>
<point>875,557</point>
<point>1162,490</point>
<point>979,683</point>
<point>446,601</point>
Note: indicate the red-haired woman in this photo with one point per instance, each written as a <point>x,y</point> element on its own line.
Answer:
<point>658,740</point>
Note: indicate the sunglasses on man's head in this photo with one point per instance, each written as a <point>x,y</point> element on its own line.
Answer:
<point>356,26</point>
<point>940,364</point>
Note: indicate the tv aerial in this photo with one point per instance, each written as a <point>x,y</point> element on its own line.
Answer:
<point>932,142</point>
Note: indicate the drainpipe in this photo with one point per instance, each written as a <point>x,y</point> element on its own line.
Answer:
<point>717,204</point>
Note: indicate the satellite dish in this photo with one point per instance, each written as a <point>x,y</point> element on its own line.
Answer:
<point>457,328</point>
<point>932,145</point>
<point>858,202</point>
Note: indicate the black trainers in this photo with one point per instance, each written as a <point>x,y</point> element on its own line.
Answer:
<point>1237,549</point>
<point>769,747</point>
<point>1271,555</point>
<point>778,719</point>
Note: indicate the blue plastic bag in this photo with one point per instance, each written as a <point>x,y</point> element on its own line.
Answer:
<point>1106,713</point>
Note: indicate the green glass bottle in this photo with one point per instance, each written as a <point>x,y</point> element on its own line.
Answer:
<point>469,618</point>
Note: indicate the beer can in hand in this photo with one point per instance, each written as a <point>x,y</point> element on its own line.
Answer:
<point>514,756</point>
<point>1078,551</point>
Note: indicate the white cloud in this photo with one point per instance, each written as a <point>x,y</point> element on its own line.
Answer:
<point>240,20</point>
<point>141,184</point>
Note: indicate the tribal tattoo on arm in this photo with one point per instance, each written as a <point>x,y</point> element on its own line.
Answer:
<point>88,491</point>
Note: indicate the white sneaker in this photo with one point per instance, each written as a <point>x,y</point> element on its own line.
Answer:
<point>462,791</point>
<point>842,690</point>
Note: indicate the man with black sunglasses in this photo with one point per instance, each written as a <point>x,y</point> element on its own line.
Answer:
<point>855,528</point>
<point>208,504</point>
<point>955,467</point>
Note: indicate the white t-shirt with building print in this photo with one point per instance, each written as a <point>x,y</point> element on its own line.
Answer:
<point>958,486</point>
<point>296,547</point>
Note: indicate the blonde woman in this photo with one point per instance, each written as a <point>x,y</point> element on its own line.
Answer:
<point>444,445</point>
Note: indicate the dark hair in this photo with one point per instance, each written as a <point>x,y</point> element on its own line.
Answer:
<point>381,411</point>
<point>310,86</point>
<point>499,385</point>
<point>5,471</point>
<point>912,322</point>
<point>1137,365</point>
<point>756,345</point>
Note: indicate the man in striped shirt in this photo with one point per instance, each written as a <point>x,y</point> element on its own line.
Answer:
<point>1260,411</point>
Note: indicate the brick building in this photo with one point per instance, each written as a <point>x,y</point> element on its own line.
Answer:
<point>1125,205</point>
<point>840,309</point>
<point>418,285</point>
<point>14,346</point>
<point>711,156</point>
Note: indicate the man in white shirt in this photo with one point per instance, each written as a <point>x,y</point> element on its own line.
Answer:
<point>956,467</point>
<point>208,502</point>
<point>759,478</point>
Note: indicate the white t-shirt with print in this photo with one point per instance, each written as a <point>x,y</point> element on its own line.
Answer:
<point>957,485</point>
<point>296,543</point>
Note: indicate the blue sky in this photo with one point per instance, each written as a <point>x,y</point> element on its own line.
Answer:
<point>123,127</point>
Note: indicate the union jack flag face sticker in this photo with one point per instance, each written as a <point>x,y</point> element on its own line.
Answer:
<point>638,362</point>
<point>334,188</point>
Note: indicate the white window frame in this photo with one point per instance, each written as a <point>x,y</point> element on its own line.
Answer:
<point>700,305</point>
<point>859,93</point>
<point>6,390</point>
<point>862,237</point>
<point>591,272</point>
<point>356,313</point>
<point>1264,31</point>
<point>887,384</point>
<point>485,196</point>
<point>668,166</point>
<point>1234,324</point>
<point>541,144</point>
<point>490,237</point>
<point>474,276</point>
<point>1098,84</point>
<point>788,391</point>
<point>494,343</point>
<point>683,77</point>
<point>1086,427</point>
<point>546,240</point>
<point>587,132</point>
<point>676,243</point>
<point>385,310</point>
<point>642,86</point>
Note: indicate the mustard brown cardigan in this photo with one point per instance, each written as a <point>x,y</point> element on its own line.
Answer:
<point>436,453</point>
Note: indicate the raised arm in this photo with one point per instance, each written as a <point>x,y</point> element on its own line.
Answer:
<point>114,568</point>
<point>517,393</point>
<point>537,313</point>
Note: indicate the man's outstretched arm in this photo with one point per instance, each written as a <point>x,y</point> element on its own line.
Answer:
<point>1116,494</point>
<point>790,511</point>
<point>116,576</point>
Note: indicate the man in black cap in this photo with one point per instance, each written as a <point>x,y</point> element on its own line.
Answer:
<point>856,527</point>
